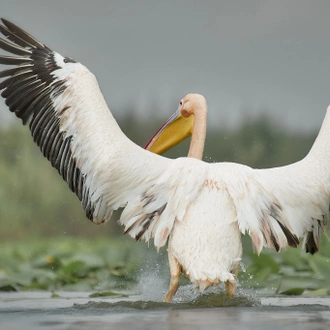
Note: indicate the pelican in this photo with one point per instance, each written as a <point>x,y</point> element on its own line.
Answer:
<point>201,208</point>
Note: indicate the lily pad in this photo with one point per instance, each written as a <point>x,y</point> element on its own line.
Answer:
<point>54,295</point>
<point>107,294</point>
<point>293,292</point>
<point>317,293</point>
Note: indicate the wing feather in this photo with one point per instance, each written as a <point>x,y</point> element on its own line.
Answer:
<point>11,48</point>
<point>14,38</point>
<point>31,89</point>
<point>16,70</point>
<point>23,35</point>
<point>70,122</point>
<point>153,214</point>
<point>280,205</point>
<point>12,60</point>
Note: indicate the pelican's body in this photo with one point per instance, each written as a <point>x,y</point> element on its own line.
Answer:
<point>202,208</point>
<point>207,242</point>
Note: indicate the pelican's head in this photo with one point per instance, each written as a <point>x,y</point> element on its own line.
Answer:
<point>178,127</point>
<point>191,103</point>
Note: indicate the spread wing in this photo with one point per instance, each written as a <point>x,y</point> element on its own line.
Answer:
<point>33,90</point>
<point>69,120</point>
<point>278,206</point>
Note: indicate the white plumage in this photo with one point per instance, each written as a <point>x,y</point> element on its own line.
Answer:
<point>201,207</point>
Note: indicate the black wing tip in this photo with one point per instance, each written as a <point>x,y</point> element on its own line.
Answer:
<point>21,34</point>
<point>144,222</point>
<point>311,246</point>
<point>311,250</point>
<point>292,239</point>
<point>5,21</point>
<point>29,91</point>
<point>8,24</point>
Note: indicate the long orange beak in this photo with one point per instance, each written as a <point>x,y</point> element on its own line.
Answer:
<point>172,132</point>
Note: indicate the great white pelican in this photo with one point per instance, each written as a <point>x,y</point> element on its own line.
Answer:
<point>201,208</point>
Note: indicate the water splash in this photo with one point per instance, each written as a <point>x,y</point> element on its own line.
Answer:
<point>209,300</point>
<point>152,282</point>
<point>242,265</point>
<point>214,296</point>
<point>186,298</point>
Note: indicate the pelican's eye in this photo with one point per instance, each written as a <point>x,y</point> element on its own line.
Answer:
<point>180,107</point>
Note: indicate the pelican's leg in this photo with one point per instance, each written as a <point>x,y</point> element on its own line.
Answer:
<point>230,288</point>
<point>231,285</point>
<point>175,276</point>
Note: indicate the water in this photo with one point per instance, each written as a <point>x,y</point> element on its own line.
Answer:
<point>213,310</point>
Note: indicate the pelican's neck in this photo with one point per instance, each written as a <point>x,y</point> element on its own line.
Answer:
<point>198,134</point>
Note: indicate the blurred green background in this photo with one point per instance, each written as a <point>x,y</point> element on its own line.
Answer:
<point>47,243</point>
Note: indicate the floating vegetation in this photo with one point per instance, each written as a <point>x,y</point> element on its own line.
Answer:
<point>70,264</point>
<point>107,294</point>
<point>109,266</point>
<point>290,272</point>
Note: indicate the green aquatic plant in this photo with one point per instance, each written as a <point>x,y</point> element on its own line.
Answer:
<point>105,266</point>
<point>290,272</point>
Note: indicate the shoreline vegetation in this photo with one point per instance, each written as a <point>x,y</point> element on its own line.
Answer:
<point>117,265</point>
